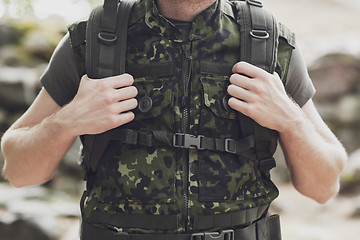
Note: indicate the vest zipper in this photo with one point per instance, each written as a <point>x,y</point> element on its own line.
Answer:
<point>186,75</point>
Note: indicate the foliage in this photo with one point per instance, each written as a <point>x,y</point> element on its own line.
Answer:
<point>20,3</point>
<point>27,3</point>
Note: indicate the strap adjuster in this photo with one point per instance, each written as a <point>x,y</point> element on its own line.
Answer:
<point>259,34</point>
<point>223,235</point>
<point>107,37</point>
<point>230,145</point>
<point>183,140</point>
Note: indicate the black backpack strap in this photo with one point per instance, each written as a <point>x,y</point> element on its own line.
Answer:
<point>107,38</point>
<point>258,46</point>
<point>259,34</point>
<point>106,41</point>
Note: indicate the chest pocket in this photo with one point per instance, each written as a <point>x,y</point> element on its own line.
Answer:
<point>216,97</point>
<point>215,80</point>
<point>217,118</point>
<point>222,176</point>
<point>155,88</point>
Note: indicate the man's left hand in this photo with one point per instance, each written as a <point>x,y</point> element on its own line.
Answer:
<point>261,96</point>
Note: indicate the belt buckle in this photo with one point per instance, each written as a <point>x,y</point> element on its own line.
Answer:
<point>184,140</point>
<point>222,235</point>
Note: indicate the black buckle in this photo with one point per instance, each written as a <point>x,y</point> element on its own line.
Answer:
<point>230,145</point>
<point>182,140</point>
<point>223,235</point>
<point>255,3</point>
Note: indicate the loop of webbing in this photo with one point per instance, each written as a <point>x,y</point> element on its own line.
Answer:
<point>108,22</point>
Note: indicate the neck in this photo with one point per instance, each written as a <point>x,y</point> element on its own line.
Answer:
<point>184,10</point>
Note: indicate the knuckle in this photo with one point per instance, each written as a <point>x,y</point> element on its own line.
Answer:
<point>125,118</point>
<point>112,120</point>
<point>101,86</point>
<point>110,108</point>
<point>108,98</point>
<point>259,89</point>
<point>248,109</point>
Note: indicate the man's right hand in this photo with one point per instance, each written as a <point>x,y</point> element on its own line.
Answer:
<point>101,104</point>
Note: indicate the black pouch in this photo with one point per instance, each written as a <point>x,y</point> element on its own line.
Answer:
<point>268,228</point>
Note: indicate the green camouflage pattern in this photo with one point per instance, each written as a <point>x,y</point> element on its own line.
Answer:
<point>134,179</point>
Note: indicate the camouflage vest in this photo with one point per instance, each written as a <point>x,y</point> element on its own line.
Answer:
<point>187,162</point>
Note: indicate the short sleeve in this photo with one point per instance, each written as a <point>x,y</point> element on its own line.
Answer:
<point>60,78</point>
<point>298,83</point>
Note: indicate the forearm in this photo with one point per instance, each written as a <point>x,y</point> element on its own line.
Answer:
<point>35,144</point>
<point>33,153</point>
<point>315,158</point>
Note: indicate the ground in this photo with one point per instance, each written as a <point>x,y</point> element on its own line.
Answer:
<point>304,219</point>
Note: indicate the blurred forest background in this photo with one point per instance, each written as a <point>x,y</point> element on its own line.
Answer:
<point>328,33</point>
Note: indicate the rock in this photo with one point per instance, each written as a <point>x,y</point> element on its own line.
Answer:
<point>335,75</point>
<point>350,179</point>
<point>8,34</point>
<point>356,212</point>
<point>343,117</point>
<point>349,136</point>
<point>12,55</point>
<point>348,109</point>
<point>34,212</point>
<point>337,81</point>
<point>23,230</point>
<point>18,86</point>
<point>36,42</point>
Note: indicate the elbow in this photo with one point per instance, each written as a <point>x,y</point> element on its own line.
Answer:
<point>321,193</point>
<point>327,195</point>
<point>19,180</point>
<point>12,179</point>
<point>331,188</point>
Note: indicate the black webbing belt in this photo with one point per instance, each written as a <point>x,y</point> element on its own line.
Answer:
<point>267,228</point>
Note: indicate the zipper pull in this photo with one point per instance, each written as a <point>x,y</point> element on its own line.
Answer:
<point>186,47</point>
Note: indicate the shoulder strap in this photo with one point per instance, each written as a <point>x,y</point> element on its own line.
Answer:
<point>259,34</point>
<point>258,46</point>
<point>107,37</point>
<point>106,41</point>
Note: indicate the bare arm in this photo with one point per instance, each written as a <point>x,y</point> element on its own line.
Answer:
<point>35,144</point>
<point>314,155</point>
<point>315,167</point>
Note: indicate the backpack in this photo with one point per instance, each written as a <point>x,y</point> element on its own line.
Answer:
<point>106,37</point>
